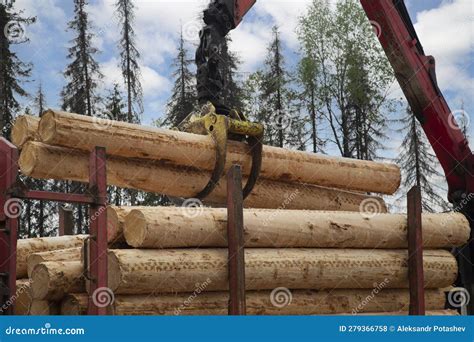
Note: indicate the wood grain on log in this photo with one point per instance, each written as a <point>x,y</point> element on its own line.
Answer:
<point>179,270</point>
<point>198,151</point>
<point>170,227</point>
<point>50,162</point>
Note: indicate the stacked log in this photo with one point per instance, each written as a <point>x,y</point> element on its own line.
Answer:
<point>69,254</point>
<point>25,129</point>
<point>26,247</point>
<point>36,160</point>
<point>170,227</point>
<point>185,149</point>
<point>302,302</point>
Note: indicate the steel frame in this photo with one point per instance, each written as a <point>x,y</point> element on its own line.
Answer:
<point>12,190</point>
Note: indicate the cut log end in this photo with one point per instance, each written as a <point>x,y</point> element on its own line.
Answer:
<point>136,224</point>
<point>113,271</point>
<point>74,304</point>
<point>24,129</point>
<point>28,159</point>
<point>47,126</point>
<point>41,281</point>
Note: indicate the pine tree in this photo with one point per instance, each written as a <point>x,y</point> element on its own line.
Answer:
<point>129,60</point>
<point>83,74</point>
<point>419,164</point>
<point>183,98</point>
<point>307,76</point>
<point>232,93</point>
<point>13,71</point>
<point>283,125</point>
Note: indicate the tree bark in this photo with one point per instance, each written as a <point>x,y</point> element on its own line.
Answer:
<point>197,151</point>
<point>51,280</point>
<point>25,129</point>
<point>180,270</point>
<point>170,227</point>
<point>26,247</point>
<point>43,161</point>
<point>294,302</point>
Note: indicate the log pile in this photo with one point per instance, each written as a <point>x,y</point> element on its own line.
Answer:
<point>323,262</point>
<point>310,248</point>
<point>179,164</point>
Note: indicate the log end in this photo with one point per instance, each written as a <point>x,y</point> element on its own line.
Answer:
<point>40,281</point>
<point>23,128</point>
<point>113,229</point>
<point>135,228</point>
<point>74,304</point>
<point>113,271</point>
<point>47,127</point>
<point>28,158</point>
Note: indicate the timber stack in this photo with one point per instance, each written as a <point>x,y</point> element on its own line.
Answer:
<point>316,243</point>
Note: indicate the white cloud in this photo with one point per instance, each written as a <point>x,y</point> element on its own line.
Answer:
<point>446,33</point>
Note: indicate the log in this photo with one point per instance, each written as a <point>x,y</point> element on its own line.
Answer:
<point>169,227</point>
<point>44,308</point>
<point>23,297</point>
<point>74,304</point>
<point>178,270</point>
<point>115,221</point>
<point>69,254</point>
<point>294,302</point>
<point>185,149</point>
<point>24,129</point>
<point>405,313</point>
<point>43,161</point>
<point>51,280</point>
<point>26,247</point>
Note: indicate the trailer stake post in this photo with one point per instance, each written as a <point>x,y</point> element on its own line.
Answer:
<point>415,253</point>
<point>235,237</point>
<point>98,231</point>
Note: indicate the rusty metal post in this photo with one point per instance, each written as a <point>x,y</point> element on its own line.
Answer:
<point>415,253</point>
<point>98,231</point>
<point>66,221</point>
<point>10,210</point>
<point>235,237</point>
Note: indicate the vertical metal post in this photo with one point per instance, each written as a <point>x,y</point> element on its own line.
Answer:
<point>10,210</point>
<point>98,230</point>
<point>415,253</point>
<point>66,221</point>
<point>235,237</point>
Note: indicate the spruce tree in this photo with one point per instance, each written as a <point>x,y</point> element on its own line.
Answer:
<point>83,77</point>
<point>129,60</point>
<point>419,165</point>
<point>183,97</point>
<point>13,71</point>
<point>307,76</point>
<point>83,74</point>
<point>283,125</point>
<point>232,93</point>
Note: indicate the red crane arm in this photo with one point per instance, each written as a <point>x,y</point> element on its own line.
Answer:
<point>241,9</point>
<point>415,73</point>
